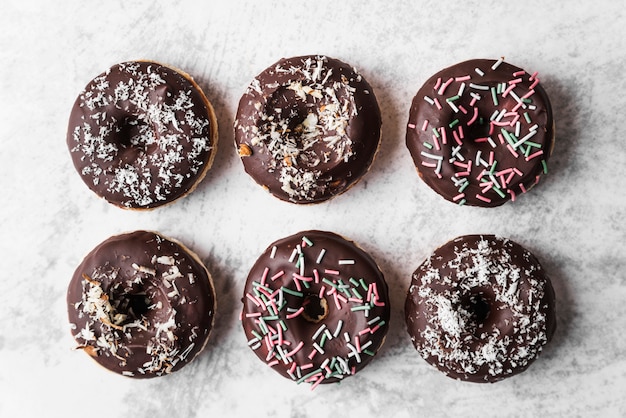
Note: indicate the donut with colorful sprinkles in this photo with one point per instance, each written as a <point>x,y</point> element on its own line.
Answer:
<point>481,132</point>
<point>480,308</point>
<point>315,307</point>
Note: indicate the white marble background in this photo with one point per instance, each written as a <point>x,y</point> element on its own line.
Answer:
<point>574,221</point>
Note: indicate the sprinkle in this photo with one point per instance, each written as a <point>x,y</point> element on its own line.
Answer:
<point>277,275</point>
<point>343,262</point>
<point>437,84</point>
<point>536,154</point>
<point>295,350</point>
<point>494,97</point>
<point>478,87</point>
<point>497,63</point>
<point>318,348</point>
<point>307,241</point>
<point>545,166</point>
<point>319,331</point>
<point>264,277</point>
<point>293,255</point>
<point>458,197</point>
<point>453,123</point>
<point>429,100</point>
<point>445,85</point>
<point>479,71</point>
<point>273,253</point>
<point>437,104</point>
<point>338,329</point>
<point>321,255</point>
<point>428,145</point>
<point>483,198</point>
<point>424,126</point>
<point>333,272</point>
<point>411,126</point>
<point>292,292</point>
<point>474,117</point>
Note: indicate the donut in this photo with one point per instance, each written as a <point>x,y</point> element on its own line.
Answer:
<point>307,128</point>
<point>142,135</point>
<point>141,305</point>
<point>480,132</point>
<point>480,308</point>
<point>315,307</point>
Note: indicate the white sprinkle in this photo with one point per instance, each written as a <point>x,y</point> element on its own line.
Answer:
<point>497,63</point>
<point>293,255</point>
<point>344,262</point>
<point>478,86</point>
<point>429,100</point>
<point>273,253</point>
<point>321,255</point>
<point>338,330</point>
<point>479,71</point>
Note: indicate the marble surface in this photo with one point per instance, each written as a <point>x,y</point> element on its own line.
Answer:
<point>574,221</point>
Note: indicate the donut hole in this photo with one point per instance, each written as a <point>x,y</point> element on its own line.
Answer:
<point>130,307</point>
<point>136,134</point>
<point>478,305</point>
<point>315,309</point>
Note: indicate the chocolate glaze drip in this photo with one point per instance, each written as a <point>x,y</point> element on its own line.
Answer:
<point>315,307</point>
<point>480,308</point>
<point>142,135</point>
<point>464,136</point>
<point>307,128</point>
<point>141,305</point>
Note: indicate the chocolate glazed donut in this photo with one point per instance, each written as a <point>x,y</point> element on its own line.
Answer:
<point>481,132</point>
<point>315,308</point>
<point>308,128</point>
<point>141,305</point>
<point>142,135</point>
<point>480,308</point>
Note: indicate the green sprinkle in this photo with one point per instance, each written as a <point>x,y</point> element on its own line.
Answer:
<point>328,282</point>
<point>368,352</point>
<point>354,282</point>
<point>308,241</point>
<point>306,376</point>
<point>463,186</point>
<point>500,192</point>
<point>292,292</point>
<point>453,123</point>
<point>527,152</point>
<point>462,202</point>
<point>436,132</point>
<point>323,340</point>
<point>381,323</point>
<point>360,308</point>
<point>270,318</point>
<point>283,325</point>
<point>356,293</point>
<point>453,98</point>
<point>545,166</point>
<point>363,285</point>
<point>527,117</point>
<point>527,100</point>
<point>532,144</point>
<point>494,97</point>
<point>508,136</point>
<point>427,145</point>
<point>257,335</point>
<point>493,167</point>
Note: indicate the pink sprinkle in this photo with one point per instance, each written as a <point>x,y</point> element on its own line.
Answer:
<point>488,185</point>
<point>296,313</point>
<point>481,139</point>
<point>364,331</point>
<point>522,187</point>
<point>265,272</point>
<point>241,315</point>
<point>373,330</point>
<point>295,350</point>
<point>306,366</point>
<point>316,275</point>
<point>461,174</point>
<point>273,363</point>
<point>490,157</point>
<point>445,85</point>
<point>312,354</point>
<point>355,300</point>
<point>515,81</point>
<point>292,369</point>
<point>536,154</point>
<point>515,119</point>
<point>474,117</point>
<point>461,132</point>
<point>458,197</point>
<point>534,75</point>
<point>503,182</point>
<point>519,73</point>
<point>505,171</point>
<point>512,193</point>
<point>298,285</point>
<point>481,174</point>
<point>459,164</point>
<point>527,95</point>
<point>357,342</point>
<point>491,128</point>
<point>436,141</point>
<point>534,84</point>
<point>444,136</point>
<point>501,138</point>
<point>322,290</point>
<point>510,148</point>
<point>517,171</point>
<point>508,89</point>
<point>424,126</point>
<point>303,278</point>
<point>277,275</point>
<point>333,272</point>
<point>510,177</point>
<point>483,198</point>
<point>438,83</point>
<point>318,381</point>
<point>253,315</point>
<point>473,101</point>
<point>437,104</point>
<point>412,126</point>
<point>462,109</point>
<point>337,298</point>
<point>456,138</point>
<point>427,164</point>
<point>254,300</point>
<point>463,78</point>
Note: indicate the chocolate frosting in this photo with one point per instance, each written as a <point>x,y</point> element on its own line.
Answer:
<point>315,307</point>
<point>141,305</point>
<point>142,135</point>
<point>481,132</point>
<point>307,128</point>
<point>480,308</point>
